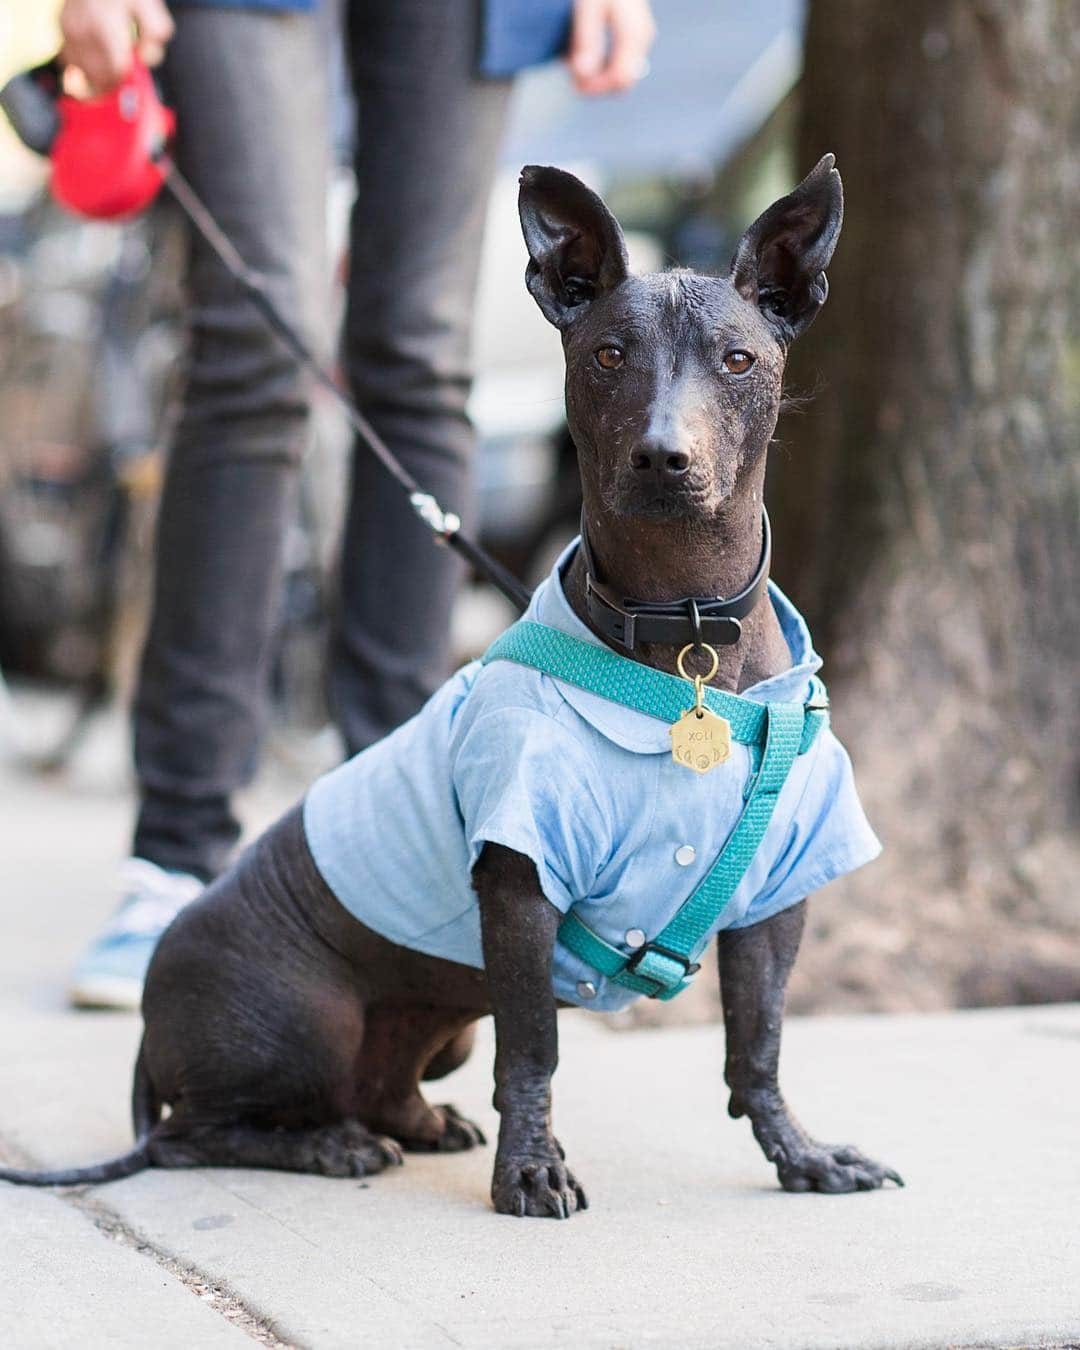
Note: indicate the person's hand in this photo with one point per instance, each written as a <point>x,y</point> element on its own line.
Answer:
<point>609,43</point>
<point>100,35</point>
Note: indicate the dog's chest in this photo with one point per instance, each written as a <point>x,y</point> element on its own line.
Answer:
<point>588,790</point>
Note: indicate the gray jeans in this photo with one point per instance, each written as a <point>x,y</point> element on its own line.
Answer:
<point>249,88</point>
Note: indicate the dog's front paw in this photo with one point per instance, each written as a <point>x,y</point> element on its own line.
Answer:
<point>834,1169</point>
<point>536,1185</point>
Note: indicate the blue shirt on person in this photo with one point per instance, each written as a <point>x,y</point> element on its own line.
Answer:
<point>514,33</point>
<point>588,790</point>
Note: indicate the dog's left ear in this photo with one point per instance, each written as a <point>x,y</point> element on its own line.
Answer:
<point>576,249</point>
<point>780,261</point>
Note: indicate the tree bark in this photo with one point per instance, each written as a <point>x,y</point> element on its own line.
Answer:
<point>926,503</point>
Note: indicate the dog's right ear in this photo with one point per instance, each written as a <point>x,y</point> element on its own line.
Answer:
<point>576,249</point>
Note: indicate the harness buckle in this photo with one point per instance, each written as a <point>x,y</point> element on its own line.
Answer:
<point>819,698</point>
<point>656,975</point>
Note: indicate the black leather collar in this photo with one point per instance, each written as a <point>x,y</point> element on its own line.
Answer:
<point>709,618</point>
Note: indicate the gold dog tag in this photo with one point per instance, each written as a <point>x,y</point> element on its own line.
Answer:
<point>700,739</point>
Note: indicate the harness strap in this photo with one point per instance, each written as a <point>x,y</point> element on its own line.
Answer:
<point>601,671</point>
<point>776,734</point>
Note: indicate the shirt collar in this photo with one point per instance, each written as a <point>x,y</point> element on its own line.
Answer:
<point>635,730</point>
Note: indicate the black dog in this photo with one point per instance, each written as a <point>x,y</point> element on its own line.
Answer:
<point>284,1033</point>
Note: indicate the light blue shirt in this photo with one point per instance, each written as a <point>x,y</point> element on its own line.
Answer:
<point>588,790</point>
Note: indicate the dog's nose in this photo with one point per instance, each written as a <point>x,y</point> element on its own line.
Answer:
<point>653,459</point>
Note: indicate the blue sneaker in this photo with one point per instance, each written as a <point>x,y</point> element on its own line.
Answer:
<point>112,970</point>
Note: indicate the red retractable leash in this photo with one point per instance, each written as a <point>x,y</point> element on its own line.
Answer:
<point>105,152</point>
<point>109,157</point>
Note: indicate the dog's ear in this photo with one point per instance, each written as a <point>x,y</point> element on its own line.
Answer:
<point>779,264</point>
<point>576,249</point>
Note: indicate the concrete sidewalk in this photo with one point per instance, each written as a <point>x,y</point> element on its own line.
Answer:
<point>688,1242</point>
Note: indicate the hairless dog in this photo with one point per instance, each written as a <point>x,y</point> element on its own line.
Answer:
<point>280,1029</point>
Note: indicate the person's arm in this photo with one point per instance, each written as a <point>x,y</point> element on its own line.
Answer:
<point>609,44</point>
<point>100,35</point>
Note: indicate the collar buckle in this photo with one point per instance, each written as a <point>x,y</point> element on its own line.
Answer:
<point>616,623</point>
<point>697,619</point>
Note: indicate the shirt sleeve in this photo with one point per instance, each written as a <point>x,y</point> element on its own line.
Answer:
<point>828,837</point>
<point>524,781</point>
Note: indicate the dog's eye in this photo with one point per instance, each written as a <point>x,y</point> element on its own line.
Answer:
<point>609,357</point>
<point>738,362</point>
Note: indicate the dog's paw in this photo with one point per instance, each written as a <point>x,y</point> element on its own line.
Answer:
<point>540,1187</point>
<point>833,1169</point>
<point>435,1129</point>
<point>459,1133</point>
<point>349,1149</point>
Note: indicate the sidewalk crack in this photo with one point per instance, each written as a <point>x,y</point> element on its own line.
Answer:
<point>214,1292</point>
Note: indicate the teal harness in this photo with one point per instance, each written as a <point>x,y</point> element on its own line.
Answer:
<point>776,733</point>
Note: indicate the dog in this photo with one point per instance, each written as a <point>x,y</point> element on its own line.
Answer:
<point>292,1012</point>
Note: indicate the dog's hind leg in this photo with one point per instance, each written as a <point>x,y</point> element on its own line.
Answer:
<point>754,966</point>
<point>344,1148</point>
<point>145,1102</point>
<point>452,1055</point>
<point>401,1044</point>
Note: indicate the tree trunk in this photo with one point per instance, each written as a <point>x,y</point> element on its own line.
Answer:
<point>926,503</point>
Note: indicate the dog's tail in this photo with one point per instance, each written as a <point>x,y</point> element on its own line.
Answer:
<point>146,1111</point>
<point>124,1166</point>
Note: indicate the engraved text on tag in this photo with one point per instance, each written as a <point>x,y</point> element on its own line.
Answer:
<point>700,740</point>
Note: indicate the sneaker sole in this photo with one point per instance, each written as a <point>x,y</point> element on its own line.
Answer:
<point>106,991</point>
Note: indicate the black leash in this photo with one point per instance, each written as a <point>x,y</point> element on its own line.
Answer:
<point>445,525</point>
<point>710,619</point>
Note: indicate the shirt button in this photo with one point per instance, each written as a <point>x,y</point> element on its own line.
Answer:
<point>586,989</point>
<point>634,938</point>
<point>685,854</point>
